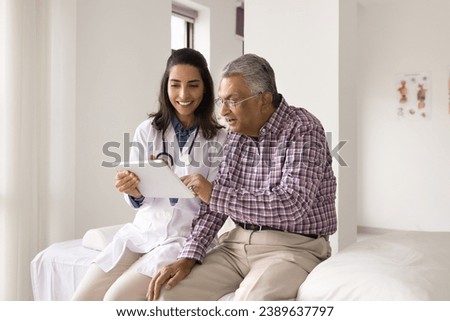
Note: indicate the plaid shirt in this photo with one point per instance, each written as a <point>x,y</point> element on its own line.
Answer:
<point>282,179</point>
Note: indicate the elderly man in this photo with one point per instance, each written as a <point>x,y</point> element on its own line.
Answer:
<point>275,182</point>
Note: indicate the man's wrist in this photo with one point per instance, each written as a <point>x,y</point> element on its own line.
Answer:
<point>188,261</point>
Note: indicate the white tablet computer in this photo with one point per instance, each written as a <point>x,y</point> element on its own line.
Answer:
<point>157,179</point>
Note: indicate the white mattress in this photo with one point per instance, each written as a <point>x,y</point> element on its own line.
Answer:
<point>57,270</point>
<point>393,266</point>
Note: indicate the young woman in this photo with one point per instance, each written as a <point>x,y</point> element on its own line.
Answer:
<point>184,132</point>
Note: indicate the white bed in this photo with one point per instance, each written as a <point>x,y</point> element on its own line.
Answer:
<point>57,270</point>
<point>392,266</point>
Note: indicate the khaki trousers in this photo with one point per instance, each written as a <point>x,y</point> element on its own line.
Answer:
<point>256,265</point>
<point>122,283</point>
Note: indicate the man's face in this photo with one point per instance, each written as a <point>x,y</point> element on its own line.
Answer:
<point>245,117</point>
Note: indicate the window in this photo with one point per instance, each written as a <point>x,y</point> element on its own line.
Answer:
<point>182,27</point>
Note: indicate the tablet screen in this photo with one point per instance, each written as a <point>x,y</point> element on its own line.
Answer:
<point>157,179</point>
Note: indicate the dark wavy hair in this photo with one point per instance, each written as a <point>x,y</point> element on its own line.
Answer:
<point>204,114</point>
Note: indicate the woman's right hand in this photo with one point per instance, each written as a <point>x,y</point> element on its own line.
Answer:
<point>127,182</point>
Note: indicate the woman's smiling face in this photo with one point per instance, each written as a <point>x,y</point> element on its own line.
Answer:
<point>185,90</point>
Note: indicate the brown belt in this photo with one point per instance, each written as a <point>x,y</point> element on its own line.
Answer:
<point>255,227</point>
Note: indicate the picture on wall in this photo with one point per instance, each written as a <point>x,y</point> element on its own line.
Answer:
<point>413,95</point>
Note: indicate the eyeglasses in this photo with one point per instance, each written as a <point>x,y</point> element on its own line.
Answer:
<point>231,103</point>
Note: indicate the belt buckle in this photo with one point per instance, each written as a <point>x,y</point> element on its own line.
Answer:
<point>247,227</point>
<point>260,227</point>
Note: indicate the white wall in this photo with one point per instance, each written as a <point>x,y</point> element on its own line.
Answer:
<point>347,179</point>
<point>303,40</point>
<point>404,174</point>
<point>122,47</point>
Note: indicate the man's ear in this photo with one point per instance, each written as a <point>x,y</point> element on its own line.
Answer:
<point>267,99</point>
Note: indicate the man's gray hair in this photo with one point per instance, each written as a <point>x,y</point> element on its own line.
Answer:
<point>257,72</point>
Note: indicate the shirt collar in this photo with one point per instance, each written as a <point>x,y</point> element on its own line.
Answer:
<point>275,121</point>
<point>179,128</point>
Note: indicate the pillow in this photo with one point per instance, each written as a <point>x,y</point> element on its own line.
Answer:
<point>98,238</point>
<point>392,266</point>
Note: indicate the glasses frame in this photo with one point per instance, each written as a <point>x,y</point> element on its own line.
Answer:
<point>219,102</point>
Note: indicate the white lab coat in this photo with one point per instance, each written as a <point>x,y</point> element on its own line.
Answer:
<point>159,230</point>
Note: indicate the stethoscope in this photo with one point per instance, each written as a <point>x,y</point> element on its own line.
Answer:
<point>185,158</point>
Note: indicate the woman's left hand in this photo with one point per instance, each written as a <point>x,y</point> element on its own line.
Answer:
<point>199,185</point>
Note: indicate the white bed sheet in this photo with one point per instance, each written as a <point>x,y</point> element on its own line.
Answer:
<point>393,266</point>
<point>57,270</point>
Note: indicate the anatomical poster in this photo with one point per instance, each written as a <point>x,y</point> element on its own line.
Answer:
<point>413,95</point>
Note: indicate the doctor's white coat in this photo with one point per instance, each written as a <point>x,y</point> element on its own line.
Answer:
<point>159,230</point>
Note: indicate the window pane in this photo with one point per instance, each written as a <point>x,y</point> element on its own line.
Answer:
<point>179,33</point>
